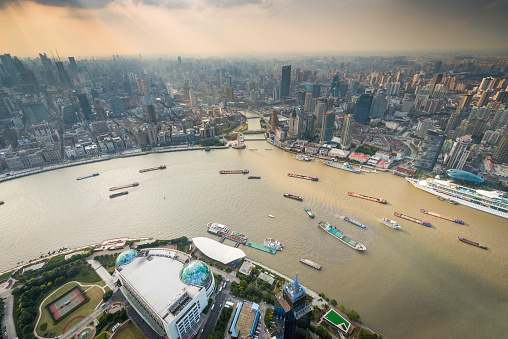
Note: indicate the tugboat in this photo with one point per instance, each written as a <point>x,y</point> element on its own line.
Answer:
<point>309,212</point>
<point>291,196</point>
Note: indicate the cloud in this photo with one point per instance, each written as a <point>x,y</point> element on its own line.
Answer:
<point>233,3</point>
<point>93,4</point>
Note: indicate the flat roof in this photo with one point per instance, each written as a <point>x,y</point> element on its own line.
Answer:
<point>157,280</point>
<point>337,320</point>
<point>217,251</point>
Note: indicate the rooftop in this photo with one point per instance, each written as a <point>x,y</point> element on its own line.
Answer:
<point>217,251</point>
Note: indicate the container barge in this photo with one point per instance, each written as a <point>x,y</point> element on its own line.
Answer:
<point>309,212</point>
<point>124,186</point>
<point>448,201</point>
<point>472,243</point>
<point>310,263</point>
<point>88,176</point>
<point>306,177</point>
<point>354,222</point>
<point>161,167</point>
<point>357,195</point>
<point>291,196</point>
<point>244,171</point>
<point>118,194</point>
<point>407,217</point>
<point>335,232</point>
<point>437,215</point>
<point>253,177</point>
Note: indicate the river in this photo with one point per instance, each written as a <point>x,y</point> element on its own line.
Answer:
<point>418,282</point>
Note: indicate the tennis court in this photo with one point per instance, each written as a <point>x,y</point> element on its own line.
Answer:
<point>66,303</point>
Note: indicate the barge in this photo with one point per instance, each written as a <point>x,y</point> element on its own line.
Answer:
<point>244,171</point>
<point>407,217</point>
<point>161,167</point>
<point>354,222</point>
<point>366,197</point>
<point>437,215</point>
<point>291,196</point>
<point>253,177</point>
<point>336,233</point>
<point>88,176</point>
<point>310,263</point>
<point>124,186</point>
<point>472,243</point>
<point>118,194</point>
<point>299,176</point>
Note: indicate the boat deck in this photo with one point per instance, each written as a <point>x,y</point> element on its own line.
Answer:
<point>260,247</point>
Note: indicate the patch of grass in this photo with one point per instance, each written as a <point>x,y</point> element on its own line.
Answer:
<point>5,276</point>
<point>103,335</point>
<point>111,269</point>
<point>88,276</point>
<point>43,326</point>
<point>130,333</point>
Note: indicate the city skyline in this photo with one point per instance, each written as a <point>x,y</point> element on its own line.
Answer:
<point>205,27</point>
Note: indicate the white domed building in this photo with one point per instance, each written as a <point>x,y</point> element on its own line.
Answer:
<point>167,289</point>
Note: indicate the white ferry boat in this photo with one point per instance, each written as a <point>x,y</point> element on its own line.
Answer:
<point>302,157</point>
<point>217,227</point>
<point>390,223</point>
<point>494,202</point>
<point>272,243</point>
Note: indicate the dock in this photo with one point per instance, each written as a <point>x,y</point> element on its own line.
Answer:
<point>260,247</point>
<point>240,241</point>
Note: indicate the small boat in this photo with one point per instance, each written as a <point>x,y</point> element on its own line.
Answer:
<point>207,148</point>
<point>253,177</point>
<point>354,222</point>
<point>118,194</point>
<point>124,186</point>
<point>239,235</point>
<point>309,212</point>
<point>302,157</point>
<point>244,171</point>
<point>271,216</point>
<point>390,223</point>
<point>272,243</point>
<point>291,196</point>
<point>161,167</point>
<point>473,243</point>
<point>88,176</point>
<point>253,149</point>
<point>218,227</point>
<point>299,176</point>
<point>1,202</point>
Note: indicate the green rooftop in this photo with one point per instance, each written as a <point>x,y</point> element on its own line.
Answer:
<point>337,320</point>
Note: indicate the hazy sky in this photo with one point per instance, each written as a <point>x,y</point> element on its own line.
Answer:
<point>222,27</point>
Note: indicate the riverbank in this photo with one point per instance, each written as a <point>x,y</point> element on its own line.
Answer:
<point>125,154</point>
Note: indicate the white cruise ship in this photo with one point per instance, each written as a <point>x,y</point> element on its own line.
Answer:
<point>217,227</point>
<point>272,243</point>
<point>494,202</point>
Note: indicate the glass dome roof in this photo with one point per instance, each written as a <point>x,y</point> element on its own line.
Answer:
<point>196,273</point>
<point>125,257</point>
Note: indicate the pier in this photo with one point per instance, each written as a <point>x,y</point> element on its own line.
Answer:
<point>240,241</point>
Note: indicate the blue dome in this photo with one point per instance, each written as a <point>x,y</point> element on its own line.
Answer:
<point>125,257</point>
<point>463,175</point>
<point>196,273</point>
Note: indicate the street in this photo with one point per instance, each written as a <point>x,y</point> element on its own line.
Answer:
<point>214,315</point>
<point>8,320</point>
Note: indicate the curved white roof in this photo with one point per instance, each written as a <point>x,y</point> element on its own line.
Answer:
<point>217,251</point>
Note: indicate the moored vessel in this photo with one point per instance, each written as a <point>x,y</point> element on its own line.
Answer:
<point>310,263</point>
<point>302,157</point>
<point>1,202</point>
<point>354,222</point>
<point>244,171</point>
<point>437,215</point>
<point>473,243</point>
<point>161,167</point>
<point>448,201</point>
<point>309,212</point>
<point>271,216</point>
<point>291,196</point>
<point>336,233</point>
<point>366,197</point>
<point>390,223</point>
<point>124,186</point>
<point>88,176</point>
<point>407,217</point>
<point>217,227</point>
<point>118,194</point>
<point>272,243</point>
<point>345,167</point>
<point>299,176</point>
<point>239,235</point>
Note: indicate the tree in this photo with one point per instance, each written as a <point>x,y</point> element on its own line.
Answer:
<point>353,315</point>
<point>342,308</point>
<point>107,296</point>
<point>333,302</point>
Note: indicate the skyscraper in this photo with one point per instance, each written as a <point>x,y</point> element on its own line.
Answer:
<point>484,98</point>
<point>65,79</point>
<point>293,125</point>
<point>346,132</point>
<point>460,152</point>
<point>319,111</point>
<point>307,106</point>
<point>362,108</point>
<point>309,127</point>
<point>327,127</point>
<point>285,83</point>
<point>436,79</point>
<point>151,117</point>
<point>85,106</point>
<point>316,90</point>
<point>429,151</point>
<point>229,93</point>
<point>276,92</point>
<point>501,152</point>
<point>274,120</point>
<point>378,107</point>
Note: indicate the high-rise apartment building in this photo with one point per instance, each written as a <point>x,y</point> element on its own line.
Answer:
<point>429,151</point>
<point>84,104</point>
<point>285,83</point>
<point>327,127</point>
<point>294,130</point>
<point>229,93</point>
<point>346,132</point>
<point>501,152</point>
<point>436,79</point>
<point>276,93</point>
<point>460,152</point>
<point>309,127</point>
<point>319,111</point>
<point>150,112</point>
<point>484,98</point>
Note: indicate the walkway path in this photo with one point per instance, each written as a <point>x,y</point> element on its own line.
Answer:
<point>103,274</point>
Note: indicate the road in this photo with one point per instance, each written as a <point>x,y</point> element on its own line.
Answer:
<point>82,324</point>
<point>214,315</point>
<point>8,320</point>
<point>101,271</point>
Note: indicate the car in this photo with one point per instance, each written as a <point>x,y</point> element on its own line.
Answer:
<point>220,305</point>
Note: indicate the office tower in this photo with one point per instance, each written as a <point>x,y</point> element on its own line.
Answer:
<point>319,111</point>
<point>85,106</point>
<point>436,79</point>
<point>291,305</point>
<point>484,98</point>
<point>65,79</point>
<point>35,110</point>
<point>466,101</point>
<point>186,90</point>
<point>392,88</point>
<point>500,119</point>
<point>362,108</point>
<point>276,92</point>
<point>316,90</point>
<point>327,127</point>
<point>301,97</point>
<point>293,125</point>
<point>487,83</point>
<point>346,132</point>
<point>309,127</point>
<point>353,86</point>
<point>8,64</point>
<point>193,98</point>
<point>274,120</point>
<point>229,93</point>
<point>150,112</point>
<point>501,152</point>
<point>307,106</point>
<point>301,118</point>
<point>437,66</point>
<point>343,88</point>
<point>460,152</point>
<point>285,83</point>
<point>117,106</point>
<point>127,88</point>
<point>378,107</point>
<point>169,88</point>
<point>73,67</point>
<point>228,81</point>
<point>179,60</point>
<point>69,115</point>
<point>501,96</point>
<point>429,151</point>
<point>334,88</point>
